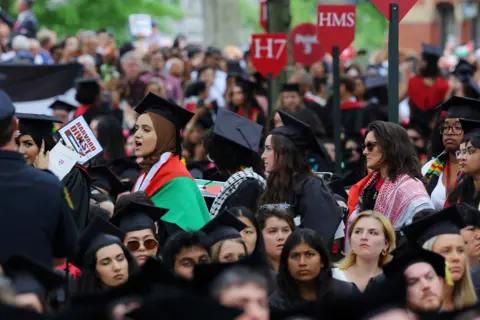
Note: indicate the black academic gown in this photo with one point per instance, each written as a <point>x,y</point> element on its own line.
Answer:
<point>77,182</point>
<point>313,202</point>
<point>280,302</point>
<point>247,195</point>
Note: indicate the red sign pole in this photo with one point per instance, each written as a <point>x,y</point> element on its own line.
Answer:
<point>336,31</point>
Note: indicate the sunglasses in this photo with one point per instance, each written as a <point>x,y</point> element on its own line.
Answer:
<point>149,244</point>
<point>369,146</point>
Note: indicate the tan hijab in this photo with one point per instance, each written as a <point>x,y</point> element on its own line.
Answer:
<point>166,140</point>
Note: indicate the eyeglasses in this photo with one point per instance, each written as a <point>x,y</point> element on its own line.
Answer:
<point>470,150</point>
<point>369,146</point>
<point>456,128</point>
<point>149,244</point>
<point>277,206</point>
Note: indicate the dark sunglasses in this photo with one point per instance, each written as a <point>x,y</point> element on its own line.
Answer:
<point>369,146</point>
<point>149,244</point>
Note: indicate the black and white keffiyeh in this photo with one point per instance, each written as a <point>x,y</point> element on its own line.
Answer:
<point>231,185</point>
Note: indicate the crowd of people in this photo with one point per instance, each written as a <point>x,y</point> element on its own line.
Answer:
<point>138,232</point>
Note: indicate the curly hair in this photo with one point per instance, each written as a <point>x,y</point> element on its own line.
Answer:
<point>398,152</point>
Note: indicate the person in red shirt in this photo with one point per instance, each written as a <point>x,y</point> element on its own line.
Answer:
<point>427,89</point>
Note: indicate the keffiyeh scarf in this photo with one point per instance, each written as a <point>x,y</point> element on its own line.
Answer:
<point>231,185</point>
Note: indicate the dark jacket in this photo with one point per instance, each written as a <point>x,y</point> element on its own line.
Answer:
<point>27,25</point>
<point>279,301</point>
<point>247,195</point>
<point>314,203</point>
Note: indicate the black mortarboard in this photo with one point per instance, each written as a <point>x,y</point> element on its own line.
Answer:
<point>170,111</point>
<point>299,133</point>
<point>432,51</point>
<point>172,307</point>
<point>464,70</point>
<point>127,170</point>
<point>62,105</point>
<point>224,226</point>
<point>238,129</point>
<point>37,124</point>
<point>29,276</point>
<point>446,221</point>
<point>470,127</point>
<point>376,82</point>
<point>87,84</point>
<point>413,255</point>
<point>290,87</point>
<point>138,216</point>
<point>105,179</point>
<point>460,107</point>
<point>99,233</point>
<point>470,214</point>
<point>7,109</point>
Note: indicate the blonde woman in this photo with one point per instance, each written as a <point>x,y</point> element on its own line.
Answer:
<point>371,240</point>
<point>440,233</point>
<point>229,251</point>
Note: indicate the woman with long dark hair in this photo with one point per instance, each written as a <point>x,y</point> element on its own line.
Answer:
<point>305,273</point>
<point>394,186</point>
<point>103,259</point>
<point>243,102</point>
<point>233,146</point>
<point>291,181</point>
<point>468,188</point>
<point>441,173</point>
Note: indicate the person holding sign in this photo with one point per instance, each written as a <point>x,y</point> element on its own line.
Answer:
<point>164,177</point>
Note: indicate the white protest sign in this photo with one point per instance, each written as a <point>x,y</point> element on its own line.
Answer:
<point>140,24</point>
<point>61,160</point>
<point>77,134</point>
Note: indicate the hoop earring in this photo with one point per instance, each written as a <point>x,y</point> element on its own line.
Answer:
<point>384,252</point>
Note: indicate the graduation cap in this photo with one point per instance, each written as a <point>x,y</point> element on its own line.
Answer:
<point>238,129</point>
<point>411,256</point>
<point>99,233</point>
<point>470,214</point>
<point>224,226</point>
<point>446,221</point>
<point>290,87</point>
<point>29,276</point>
<point>299,133</point>
<point>470,127</point>
<point>7,109</point>
<point>62,105</point>
<point>172,306</point>
<point>165,108</point>
<point>87,84</point>
<point>127,170</point>
<point>137,216</point>
<point>461,108</point>
<point>105,179</point>
<point>36,124</point>
<point>431,51</point>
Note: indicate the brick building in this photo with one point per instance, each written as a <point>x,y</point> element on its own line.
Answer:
<point>434,21</point>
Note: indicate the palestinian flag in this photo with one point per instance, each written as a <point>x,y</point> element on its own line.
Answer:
<point>33,88</point>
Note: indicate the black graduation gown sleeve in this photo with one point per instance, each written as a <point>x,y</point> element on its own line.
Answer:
<point>475,274</point>
<point>314,203</point>
<point>247,195</point>
<point>78,186</point>
<point>66,233</point>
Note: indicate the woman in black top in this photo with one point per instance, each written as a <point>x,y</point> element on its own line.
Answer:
<point>305,273</point>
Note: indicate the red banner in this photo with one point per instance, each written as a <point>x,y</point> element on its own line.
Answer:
<point>403,7</point>
<point>269,53</point>
<point>264,15</point>
<point>336,26</point>
<point>306,48</point>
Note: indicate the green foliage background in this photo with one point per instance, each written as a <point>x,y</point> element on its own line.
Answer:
<point>66,19</point>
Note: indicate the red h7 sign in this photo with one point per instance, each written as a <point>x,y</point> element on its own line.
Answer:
<point>269,53</point>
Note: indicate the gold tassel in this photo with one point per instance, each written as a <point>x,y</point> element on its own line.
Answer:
<point>448,275</point>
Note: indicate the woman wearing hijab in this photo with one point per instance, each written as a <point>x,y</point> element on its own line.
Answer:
<point>164,177</point>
